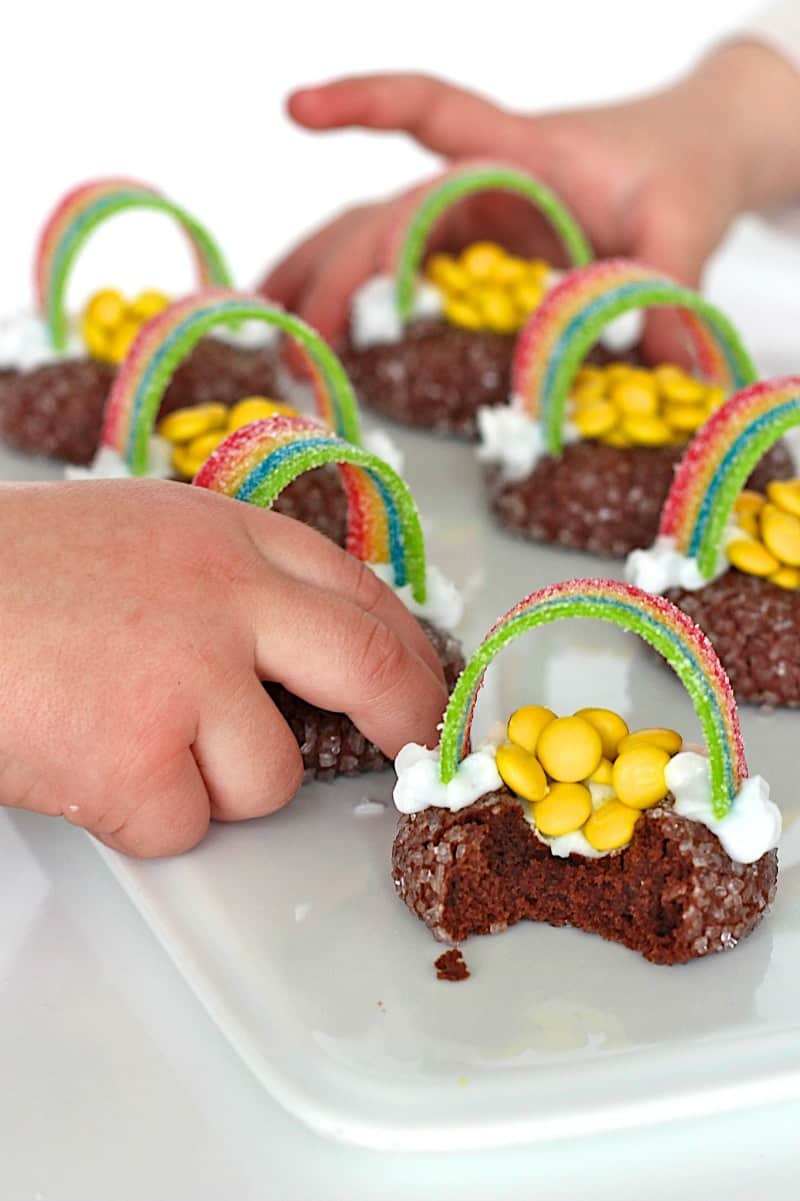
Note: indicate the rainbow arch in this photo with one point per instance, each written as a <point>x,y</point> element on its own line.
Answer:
<point>451,187</point>
<point>658,622</point>
<point>718,462</point>
<point>574,313</point>
<point>167,339</point>
<point>79,213</point>
<point>257,462</point>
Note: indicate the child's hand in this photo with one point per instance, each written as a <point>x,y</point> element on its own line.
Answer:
<point>658,178</point>
<point>137,619</point>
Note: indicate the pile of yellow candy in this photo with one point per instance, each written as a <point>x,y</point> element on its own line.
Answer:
<point>622,405</point>
<point>587,772</point>
<point>768,541</point>
<point>197,432</point>
<point>110,322</point>
<point>485,287</point>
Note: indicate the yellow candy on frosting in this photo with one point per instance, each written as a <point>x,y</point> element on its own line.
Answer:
<point>569,749</point>
<point>521,771</point>
<point>183,425</point>
<point>565,808</point>
<point>526,724</point>
<point>611,826</point>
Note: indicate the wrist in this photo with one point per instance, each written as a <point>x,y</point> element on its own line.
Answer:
<point>748,96</point>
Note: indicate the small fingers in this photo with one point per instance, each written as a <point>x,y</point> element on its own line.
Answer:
<point>307,556</point>
<point>287,279</point>
<point>168,816</point>
<point>339,657</point>
<point>247,755</point>
<point>448,120</point>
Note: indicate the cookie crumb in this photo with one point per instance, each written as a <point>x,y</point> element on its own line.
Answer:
<point>451,965</point>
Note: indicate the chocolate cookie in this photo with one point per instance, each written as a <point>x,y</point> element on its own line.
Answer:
<point>672,894</point>
<point>57,410</point>
<point>754,626</point>
<point>601,498</point>
<point>330,744</point>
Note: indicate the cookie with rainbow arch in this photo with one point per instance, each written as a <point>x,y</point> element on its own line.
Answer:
<point>255,465</point>
<point>576,820</point>
<point>433,339</point>
<point>729,556</point>
<point>134,445</point>
<point>584,455</point>
<point>56,367</point>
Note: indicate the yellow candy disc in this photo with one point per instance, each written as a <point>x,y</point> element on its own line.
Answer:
<point>206,444</point>
<point>184,425</point>
<point>186,465</point>
<point>122,338</point>
<point>750,503</point>
<point>105,309</point>
<point>645,430</point>
<point>445,272</point>
<point>669,740</point>
<point>602,774</point>
<point>526,724</point>
<point>611,826</point>
<point>781,534</point>
<point>565,808</point>
<point>786,577</point>
<point>521,771</point>
<point>682,389</point>
<point>569,749</point>
<point>751,557</point>
<point>257,408</point>
<point>462,313</point>
<point>638,776</point>
<point>481,258</point>
<point>149,304</point>
<point>609,725</point>
<point>596,419</point>
<point>635,398</point>
<point>685,418</point>
<point>783,493</point>
<point>497,311</point>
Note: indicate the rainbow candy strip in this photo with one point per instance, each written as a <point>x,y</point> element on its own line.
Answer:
<point>662,624</point>
<point>256,463</point>
<point>79,213</point>
<point>719,460</point>
<point>453,186</point>
<point>167,339</point>
<point>572,316</point>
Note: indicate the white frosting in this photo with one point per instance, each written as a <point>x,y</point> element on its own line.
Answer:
<point>25,343</point>
<point>108,464</point>
<point>377,442</point>
<point>419,783</point>
<point>374,318</point>
<point>624,331</point>
<point>750,829</point>
<point>249,335</point>
<point>752,826</point>
<point>663,566</point>
<point>444,605</point>
<point>512,439</point>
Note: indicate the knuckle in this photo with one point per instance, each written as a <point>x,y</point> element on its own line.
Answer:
<point>368,591</point>
<point>382,660</point>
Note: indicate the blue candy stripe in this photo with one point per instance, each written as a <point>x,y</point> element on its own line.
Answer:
<point>726,464</point>
<point>291,450</point>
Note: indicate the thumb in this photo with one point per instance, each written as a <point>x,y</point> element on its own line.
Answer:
<point>448,120</point>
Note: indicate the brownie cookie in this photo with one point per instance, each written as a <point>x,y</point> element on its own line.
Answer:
<point>672,894</point>
<point>57,410</point>
<point>754,626</point>
<point>599,498</point>
<point>330,744</point>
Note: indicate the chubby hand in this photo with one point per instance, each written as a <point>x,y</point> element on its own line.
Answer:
<point>658,178</point>
<point>137,620</point>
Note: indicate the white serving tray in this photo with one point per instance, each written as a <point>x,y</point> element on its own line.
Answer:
<point>288,930</point>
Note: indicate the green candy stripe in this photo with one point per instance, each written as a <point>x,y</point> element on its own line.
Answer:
<point>746,454</point>
<point>584,332</point>
<point>277,478</point>
<point>232,312</point>
<point>109,207</point>
<point>466,183</point>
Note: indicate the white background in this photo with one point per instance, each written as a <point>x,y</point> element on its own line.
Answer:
<point>189,96</point>
<point>115,1085</point>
